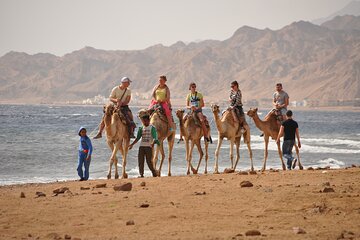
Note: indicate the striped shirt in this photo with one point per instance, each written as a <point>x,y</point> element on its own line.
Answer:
<point>235,98</point>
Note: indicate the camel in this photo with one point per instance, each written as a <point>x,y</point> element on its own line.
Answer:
<point>270,127</point>
<point>228,129</point>
<point>159,121</point>
<point>192,132</point>
<point>117,138</point>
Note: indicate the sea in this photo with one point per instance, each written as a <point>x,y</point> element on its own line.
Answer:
<point>39,143</point>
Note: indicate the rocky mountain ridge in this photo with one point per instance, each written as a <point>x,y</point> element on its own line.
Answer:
<point>320,64</point>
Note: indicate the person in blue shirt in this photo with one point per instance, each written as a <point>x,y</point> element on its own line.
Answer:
<point>85,151</point>
<point>149,137</point>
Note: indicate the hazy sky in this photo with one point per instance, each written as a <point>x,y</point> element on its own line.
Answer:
<point>62,26</point>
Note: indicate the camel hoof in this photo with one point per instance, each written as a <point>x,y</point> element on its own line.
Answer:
<point>109,176</point>
<point>301,167</point>
<point>283,167</point>
<point>194,171</point>
<point>125,176</point>
<point>116,176</point>
<point>205,172</point>
<point>158,173</point>
<point>263,170</point>
<point>216,172</point>
<point>169,174</point>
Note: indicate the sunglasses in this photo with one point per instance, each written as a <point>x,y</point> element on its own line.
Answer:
<point>232,86</point>
<point>193,86</point>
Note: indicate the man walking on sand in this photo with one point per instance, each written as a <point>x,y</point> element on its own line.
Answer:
<point>289,129</point>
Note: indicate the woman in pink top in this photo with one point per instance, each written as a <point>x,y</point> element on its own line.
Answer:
<point>161,95</point>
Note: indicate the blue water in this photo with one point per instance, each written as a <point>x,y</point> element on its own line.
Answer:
<point>39,143</point>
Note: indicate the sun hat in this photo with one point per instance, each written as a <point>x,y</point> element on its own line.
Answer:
<point>125,79</point>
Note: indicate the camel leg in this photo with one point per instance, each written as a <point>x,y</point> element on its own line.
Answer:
<point>111,160</point>
<point>190,157</point>
<point>281,158</point>
<point>250,155</point>
<point>266,140</point>
<point>247,140</point>
<point>206,156</point>
<point>155,156</point>
<point>124,150</point>
<point>232,153</point>
<point>237,145</point>
<point>216,167</point>
<point>171,141</point>
<point>117,147</point>
<point>162,157</point>
<point>187,156</point>
<point>201,154</point>
<point>298,158</point>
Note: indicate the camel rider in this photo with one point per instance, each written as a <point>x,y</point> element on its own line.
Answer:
<point>280,101</point>
<point>236,106</point>
<point>120,96</point>
<point>195,103</point>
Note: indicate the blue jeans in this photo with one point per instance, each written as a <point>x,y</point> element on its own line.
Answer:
<point>287,151</point>
<point>82,161</point>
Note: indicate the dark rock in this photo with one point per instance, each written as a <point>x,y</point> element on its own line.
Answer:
<point>253,233</point>
<point>144,205</point>
<point>84,188</point>
<point>22,195</point>
<point>253,173</point>
<point>130,222</point>
<point>246,184</point>
<point>40,194</point>
<point>328,189</point>
<point>60,190</point>
<point>143,184</point>
<point>200,193</point>
<point>242,173</point>
<point>353,166</point>
<point>123,187</point>
<point>310,168</point>
<point>229,170</point>
<point>102,185</point>
<point>326,184</point>
<point>67,236</point>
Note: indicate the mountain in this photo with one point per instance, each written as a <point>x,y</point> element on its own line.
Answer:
<point>320,64</point>
<point>353,8</point>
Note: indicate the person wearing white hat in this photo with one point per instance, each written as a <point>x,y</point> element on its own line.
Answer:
<point>121,96</point>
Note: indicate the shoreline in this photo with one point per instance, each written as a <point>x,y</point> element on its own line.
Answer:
<point>311,204</point>
<point>309,109</point>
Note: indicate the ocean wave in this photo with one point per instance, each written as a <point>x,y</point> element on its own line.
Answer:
<point>329,162</point>
<point>331,142</point>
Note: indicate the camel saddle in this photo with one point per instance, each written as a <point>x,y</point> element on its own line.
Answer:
<point>157,108</point>
<point>196,119</point>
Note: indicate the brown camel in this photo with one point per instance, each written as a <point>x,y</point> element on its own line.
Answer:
<point>117,138</point>
<point>159,121</point>
<point>227,128</point>
<point>270,127</point>
<point>192,132</point>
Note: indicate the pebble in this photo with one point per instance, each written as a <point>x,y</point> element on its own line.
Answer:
<point>253,173</point>
<point>84,188</point>
<point>123,187</point>
<point>298,230</point>
<point>253,233</point>
<point>143,184</point>
<point>102,185</point>
<point>67,236</point>
<point>60,190</point>
<point>144,205</point>
<point>310,168</point>
<point>200,193</point>
<point>242,173</point>
<point>130,222</point>
<point>22,195</point>
<point>328,189</point>
<point>229,170</point>
<point>246,184</point>
<point>40,194</point>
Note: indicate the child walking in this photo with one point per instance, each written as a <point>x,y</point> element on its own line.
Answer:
<point>85,151</point>
<point>149,137</point>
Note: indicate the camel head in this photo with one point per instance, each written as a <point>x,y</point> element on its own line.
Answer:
<point>180,113</point>
<point>252,112</point>
<point>109,109</point>
<point>215,108</point>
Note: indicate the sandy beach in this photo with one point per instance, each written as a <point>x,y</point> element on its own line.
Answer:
<point>308,204</point>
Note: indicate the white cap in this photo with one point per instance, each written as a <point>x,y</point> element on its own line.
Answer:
<point>125,79</point>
